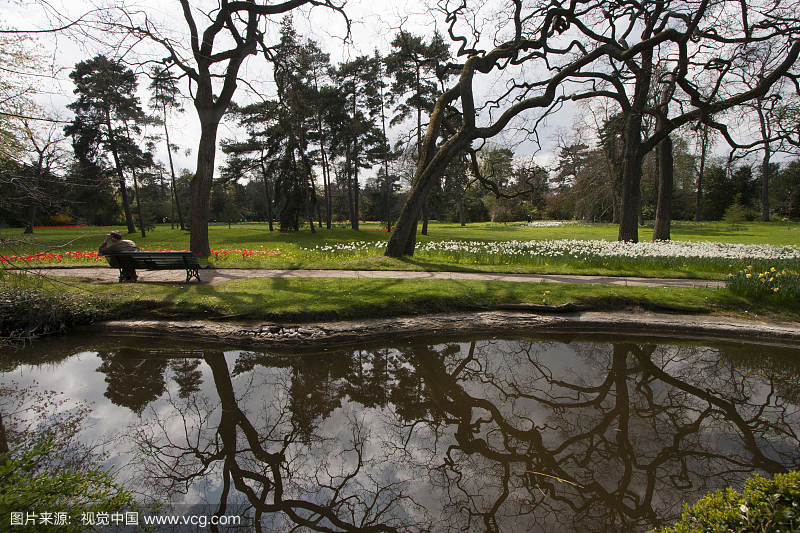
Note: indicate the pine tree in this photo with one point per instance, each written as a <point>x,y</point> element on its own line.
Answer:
<point>165,92</point>
<point>107,116</point>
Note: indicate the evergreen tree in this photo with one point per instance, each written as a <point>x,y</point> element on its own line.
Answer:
<point>418,71</point>
<point>362,139</point>
<point>255,157</point>
<point>107,115</point>
<point>165,93</point>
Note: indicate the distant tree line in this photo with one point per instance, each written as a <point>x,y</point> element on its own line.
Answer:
<point>319,153</point>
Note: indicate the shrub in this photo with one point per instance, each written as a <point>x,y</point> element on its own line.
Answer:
<point>766,505</point>
<point>61,220</point>
<point>28,489</point>
<point>27,312</point>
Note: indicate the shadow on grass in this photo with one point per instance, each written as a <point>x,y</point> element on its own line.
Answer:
<point>437,267</point>
<point>281,299</point>
<point>714,232</point>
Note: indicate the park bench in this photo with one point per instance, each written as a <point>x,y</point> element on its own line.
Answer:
<point>155,261</point>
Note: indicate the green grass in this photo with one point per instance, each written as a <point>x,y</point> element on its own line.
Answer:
<point>257,234</point>
<point>315,299</point>
<point>301,250</point>
<point>333,299</point>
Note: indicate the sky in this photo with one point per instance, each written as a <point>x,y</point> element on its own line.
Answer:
<point>373,25</point>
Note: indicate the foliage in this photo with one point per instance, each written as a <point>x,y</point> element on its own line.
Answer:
<point>765,505</point>
<point>107,120</point>
<point>29,309</point>
<point>20,64</point>
<point>45,469</point>
<point>735,214</point>
<point>26,488</point>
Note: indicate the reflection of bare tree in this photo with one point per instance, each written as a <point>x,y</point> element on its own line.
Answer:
<point>485,436</point>
<point>616,447</point>
<point>257,452</point>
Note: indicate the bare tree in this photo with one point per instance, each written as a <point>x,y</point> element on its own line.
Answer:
<point>591,50</point>
<point>234,31</point>
<point>46,154</point>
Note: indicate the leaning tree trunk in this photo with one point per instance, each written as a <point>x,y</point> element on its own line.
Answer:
<point>429,169</point>
<point>404,238</point>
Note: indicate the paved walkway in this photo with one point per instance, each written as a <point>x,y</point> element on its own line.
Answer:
<point>214,276</point>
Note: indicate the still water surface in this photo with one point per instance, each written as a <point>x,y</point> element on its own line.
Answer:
<point>510,435</point>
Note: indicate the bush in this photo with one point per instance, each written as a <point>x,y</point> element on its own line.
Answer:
<point>29,490</point>
<point>27,312</point>
<point>766,505</point>
<point>61,220</point>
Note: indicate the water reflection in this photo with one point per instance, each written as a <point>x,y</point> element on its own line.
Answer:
<point>479,436</point>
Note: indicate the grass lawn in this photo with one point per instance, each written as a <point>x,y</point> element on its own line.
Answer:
<point>342,248</point>
<point>330,299</point>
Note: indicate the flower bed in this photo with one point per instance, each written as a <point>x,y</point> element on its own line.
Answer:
<point>51,257</point>
<point>606,256</point>
<point>77,257</point>
<point>771,283</point>
<point>663,255</point>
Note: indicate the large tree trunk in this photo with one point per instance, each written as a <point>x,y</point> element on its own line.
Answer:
<point>631,180</point>
<point>633,154</point>
<point>201,188</point>
<point>665,165</point>
<point>429,169</point>
<point>404,237</point>
<point>663,222</point>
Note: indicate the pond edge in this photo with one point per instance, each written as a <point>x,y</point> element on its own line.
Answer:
<point>346,333</point>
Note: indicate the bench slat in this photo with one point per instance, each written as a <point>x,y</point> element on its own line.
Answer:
<point>156,261</point>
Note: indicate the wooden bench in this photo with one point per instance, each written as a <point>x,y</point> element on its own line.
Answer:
<point>155,261</point>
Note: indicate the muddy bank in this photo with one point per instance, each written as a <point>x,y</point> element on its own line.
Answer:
<point>507,323</point>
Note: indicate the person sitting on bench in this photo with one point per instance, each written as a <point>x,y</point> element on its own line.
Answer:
<point>120,245</point>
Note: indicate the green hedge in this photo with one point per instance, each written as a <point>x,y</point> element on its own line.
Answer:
<point>765,506</point>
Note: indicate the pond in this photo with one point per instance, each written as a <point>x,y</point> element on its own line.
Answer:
<point>516,434</point>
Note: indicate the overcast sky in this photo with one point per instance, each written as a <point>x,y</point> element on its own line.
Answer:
<point>373,25</point>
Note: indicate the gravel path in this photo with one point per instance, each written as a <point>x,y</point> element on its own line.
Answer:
<point>213,276</point>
